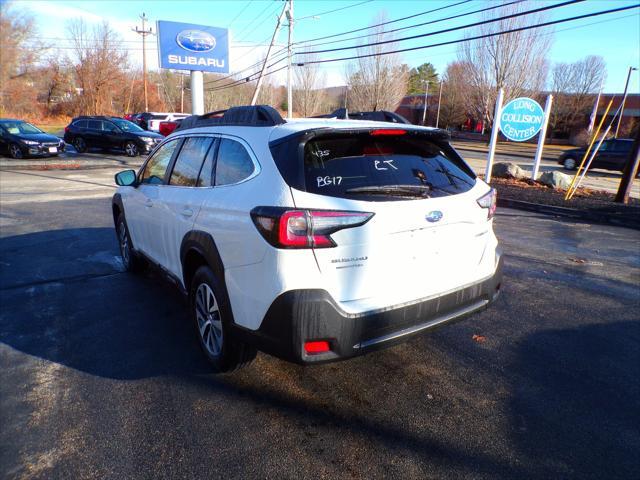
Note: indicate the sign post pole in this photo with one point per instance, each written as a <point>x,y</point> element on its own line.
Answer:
<point>197,93</point>
<point>543,134</point>
<point>494,136</point>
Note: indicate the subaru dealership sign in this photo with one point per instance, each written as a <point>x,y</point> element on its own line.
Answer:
<point>521,119</point>
<point>184,46</point>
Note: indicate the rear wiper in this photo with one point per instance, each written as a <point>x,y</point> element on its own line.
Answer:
<point>401,190</point>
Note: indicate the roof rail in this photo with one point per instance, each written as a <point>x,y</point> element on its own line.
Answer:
<point>378,116</point>
<point>245,116</point>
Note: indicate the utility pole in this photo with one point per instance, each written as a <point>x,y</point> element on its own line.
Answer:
<point>624,99</point>
<point>289,54</point>
<point>142,31</point>
<point>426,99</point>
<point>266,60</point>
<point>439,100</point>
<point>629,172</point>
<point>181,93</point>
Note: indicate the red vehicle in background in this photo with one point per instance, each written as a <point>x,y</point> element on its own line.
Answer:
<point>166,128</point>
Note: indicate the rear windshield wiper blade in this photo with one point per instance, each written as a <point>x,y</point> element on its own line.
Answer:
<point>402,190</point>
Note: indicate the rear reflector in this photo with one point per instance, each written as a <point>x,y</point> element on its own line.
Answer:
<point>285,228</point>
<point>388,131</point>
<point>319,346</point>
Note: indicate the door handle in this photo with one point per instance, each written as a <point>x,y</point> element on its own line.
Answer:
<point>148,203</point>
<point>187,212</point>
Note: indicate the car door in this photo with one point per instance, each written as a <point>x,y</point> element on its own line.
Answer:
<point>94,133</point>
<point>111,135</point>
<point>620,154</point>
<point>141,203</point>
<point>179,203</point>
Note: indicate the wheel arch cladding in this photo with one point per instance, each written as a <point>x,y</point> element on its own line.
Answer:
<point>199,248</point>
<point>116,208</point>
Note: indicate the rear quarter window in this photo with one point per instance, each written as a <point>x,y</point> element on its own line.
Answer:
<point>340,166</point>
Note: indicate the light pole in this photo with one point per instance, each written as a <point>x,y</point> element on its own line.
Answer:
<point>426,98</point>
<point>624,99</point>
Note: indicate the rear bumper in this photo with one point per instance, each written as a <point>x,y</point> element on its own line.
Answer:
<point>298,316</point>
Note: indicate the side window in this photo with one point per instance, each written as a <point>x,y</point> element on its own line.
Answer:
<point>95,124</point>
<point>157,165</point>
<point>234,163</point>
<point>624,147</point>
<point>81,124</point>
<point>190,159</point>
<point>108,127</point>
<point>205,179</point>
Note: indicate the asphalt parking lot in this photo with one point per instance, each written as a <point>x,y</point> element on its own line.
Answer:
<point>101,377</point>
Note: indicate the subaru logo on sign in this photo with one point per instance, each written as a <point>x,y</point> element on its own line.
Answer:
<point>434,216</point>
<point>196,41</point>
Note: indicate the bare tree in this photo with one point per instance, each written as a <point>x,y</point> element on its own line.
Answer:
<point>515,62</point>
<point>574,86</point>
<point>455,89</point>
<point>377,82</point>
<point>309,81</point>
<point>18,60</point>
<point>99,66</point>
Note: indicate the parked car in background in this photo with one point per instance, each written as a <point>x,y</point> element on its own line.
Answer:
<point>151,120</point>
<point>312,240</point>
<point>130,116</point>
<point>21,139</point>
<point>110,132</point>
<point>612,155</point>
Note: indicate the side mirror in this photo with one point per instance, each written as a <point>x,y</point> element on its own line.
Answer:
<point>126,178</point>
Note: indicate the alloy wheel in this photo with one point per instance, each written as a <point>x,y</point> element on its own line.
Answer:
<point>131,149</point>
<point>15,151</point>
<point>80,145</point>
<point>125,249</point>
<point>570,163</point>
<point>209,319</point>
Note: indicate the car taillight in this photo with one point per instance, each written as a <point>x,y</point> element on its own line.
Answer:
<point>166,128</point>
<point>488,201</point>
<point>294,228</point>
<point>66,129</point>
<point>388,132</point>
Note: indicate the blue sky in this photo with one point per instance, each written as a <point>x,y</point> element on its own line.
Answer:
<point>616,37</point>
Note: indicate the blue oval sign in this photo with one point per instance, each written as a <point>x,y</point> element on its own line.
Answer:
<point>196,41</point>
<point>521,119</point>
<point>434,216</point>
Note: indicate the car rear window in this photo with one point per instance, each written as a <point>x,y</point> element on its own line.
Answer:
<point>158,117</point>
<point>363,166</point>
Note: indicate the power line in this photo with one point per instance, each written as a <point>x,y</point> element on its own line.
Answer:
<point>245,80</point>
<point>386,32</point>
<point>384,23</point>
<point>250,67</point>
<point>249,27</point>
<point>452,29</point>
<point>478,37</point>
<point>335,10</point>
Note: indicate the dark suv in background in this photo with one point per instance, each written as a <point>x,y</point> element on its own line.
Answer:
<point>612,155</point>
<point>110,132</point>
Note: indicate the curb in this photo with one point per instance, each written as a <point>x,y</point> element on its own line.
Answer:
<point>627,221</point>
<point>519,155</point>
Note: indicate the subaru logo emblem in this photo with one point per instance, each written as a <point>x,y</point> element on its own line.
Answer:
<point>196,41</point>
<point>434,216</point>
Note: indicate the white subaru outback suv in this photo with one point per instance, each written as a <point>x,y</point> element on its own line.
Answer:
<point>312,240</point>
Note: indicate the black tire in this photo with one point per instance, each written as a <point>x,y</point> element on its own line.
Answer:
<point>15,151</point>
<point>570,163</point>
<point>131,149</point>
<point>232,353</point>
<point>131,261</point>
<point>80,145</point>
